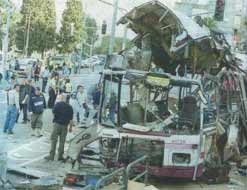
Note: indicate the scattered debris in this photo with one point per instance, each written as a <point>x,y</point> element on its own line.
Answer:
<point>27,171</point>
<point>44,183</point>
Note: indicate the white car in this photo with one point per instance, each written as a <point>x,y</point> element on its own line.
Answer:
<point>25,67</point>
<point>27,62</point>
<point>90,62</point>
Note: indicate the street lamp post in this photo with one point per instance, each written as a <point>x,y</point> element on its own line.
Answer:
<point>5,46</point>
<point>125,37</point>
<point>114,21</point>
<point>28,34</point>
<point>113,29</point>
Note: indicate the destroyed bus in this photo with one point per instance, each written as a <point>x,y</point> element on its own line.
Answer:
<point>164,117</point>
<point>183,126</point>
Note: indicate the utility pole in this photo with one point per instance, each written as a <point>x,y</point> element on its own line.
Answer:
<point>114,21</point>
<point>83,24</point>
<point>125,36</point>
<point>113,29</point>
<point>28,34</point>
<point>6,37</point>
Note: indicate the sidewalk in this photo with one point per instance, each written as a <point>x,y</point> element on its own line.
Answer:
<point>25,151</point>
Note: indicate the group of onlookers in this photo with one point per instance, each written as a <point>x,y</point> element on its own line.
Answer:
<point>24,98</point>
<point>70,104</point>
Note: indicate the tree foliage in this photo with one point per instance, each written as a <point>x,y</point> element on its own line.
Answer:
<point>72,26</point>
<point>91,30</point>
<point>42,25</point>
<point>14,19</point>
<point>104,47</point>
<point>209,22</point>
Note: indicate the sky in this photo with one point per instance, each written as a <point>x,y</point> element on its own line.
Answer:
<point>100,11</point>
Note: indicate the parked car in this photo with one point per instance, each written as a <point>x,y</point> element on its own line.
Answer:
<point>25,68</point>
<point>59,60</point>
<point>26,63</point>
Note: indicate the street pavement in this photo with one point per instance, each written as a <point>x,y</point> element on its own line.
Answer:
<point>23,149</point>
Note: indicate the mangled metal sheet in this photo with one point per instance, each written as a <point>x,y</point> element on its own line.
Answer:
<point>168,38</point>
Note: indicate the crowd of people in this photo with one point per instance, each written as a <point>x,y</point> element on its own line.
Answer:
<point>70,104</point>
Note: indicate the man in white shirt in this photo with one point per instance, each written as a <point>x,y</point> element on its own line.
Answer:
<point>45,75</point>
<point>12,111</point>
<point>80,103</point>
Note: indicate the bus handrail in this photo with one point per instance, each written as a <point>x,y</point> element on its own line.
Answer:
<point>144,173</point>
<point>104,179</point>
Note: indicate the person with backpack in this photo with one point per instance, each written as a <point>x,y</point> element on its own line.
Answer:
<point>37,107</point>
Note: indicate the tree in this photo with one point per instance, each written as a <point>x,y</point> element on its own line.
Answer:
<point>72,26</point>
<point>104,47</point>
<point>91,30</point>
<point>14,19</point>
<point>209,22</point>
<point>39,20</point>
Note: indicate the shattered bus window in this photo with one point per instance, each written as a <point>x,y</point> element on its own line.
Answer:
<point>110,102</point>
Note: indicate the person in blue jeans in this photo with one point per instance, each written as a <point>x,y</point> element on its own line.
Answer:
<point>12,111</point>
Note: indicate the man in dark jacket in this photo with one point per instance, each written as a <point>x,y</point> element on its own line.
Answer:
<point>63,116</point>
<point>23,98</point>
<point>37,106</point>
<point>31,91</point>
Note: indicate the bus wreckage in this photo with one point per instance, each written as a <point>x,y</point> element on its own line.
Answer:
<point>180,101</point>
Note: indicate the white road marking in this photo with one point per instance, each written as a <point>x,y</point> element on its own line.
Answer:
<point>34,160</point>
<point>26,145</point>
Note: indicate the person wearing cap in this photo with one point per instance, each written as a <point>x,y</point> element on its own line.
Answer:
<point>37,106</point>
<point>13,108</point>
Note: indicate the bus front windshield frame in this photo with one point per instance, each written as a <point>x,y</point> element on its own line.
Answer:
<point>137,103</point>
<point>110,101</point>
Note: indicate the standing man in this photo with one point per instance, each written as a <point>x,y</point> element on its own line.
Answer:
<point>17,65</point>
<point>23,99</point>
<point>12,111</point>
<point>31,91</point>
<point>96,96</point>
<point>45,75</point>
<point>81,98</point>
<point>37,69</point>
<point>63,116</point>
<point>96,99</point>
<point>112,107</point>
<point>37,106</point>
